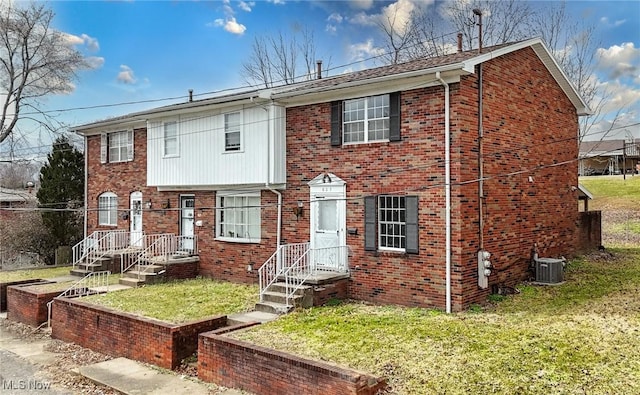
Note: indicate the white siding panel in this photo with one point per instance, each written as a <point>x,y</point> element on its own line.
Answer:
<point>279,147</point>
<point>203,160</point>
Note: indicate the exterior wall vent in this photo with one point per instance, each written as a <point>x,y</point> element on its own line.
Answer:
<point>549,270</point>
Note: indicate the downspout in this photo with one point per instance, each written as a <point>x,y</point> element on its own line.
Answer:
<point>447,191</point>
<point>268,183</point>
<point>480,163</point>
<point>86,185</point>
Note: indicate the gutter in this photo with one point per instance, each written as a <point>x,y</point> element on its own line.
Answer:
<point>86,185</point>
<point>447,191</point>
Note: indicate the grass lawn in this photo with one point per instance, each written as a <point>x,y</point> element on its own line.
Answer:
<point>182,301</point>
<point>17,275</point>
<point>619,201</point>
<point>579,337</point>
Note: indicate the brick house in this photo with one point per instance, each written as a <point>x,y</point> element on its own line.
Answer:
<point>388,175</point>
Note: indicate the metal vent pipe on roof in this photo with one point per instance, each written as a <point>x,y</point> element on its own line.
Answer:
<point>459,42</point>
<point>319,69</point>
<point>190,95</point>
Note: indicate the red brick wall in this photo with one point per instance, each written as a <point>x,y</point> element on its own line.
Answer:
<point>180,271</point>
<point>3,290</point>
<point>126,335</point>
<point>528,125</point>
<point>233,363</point>
<point>370,169</point>
<point>590,231</point>
<point>27,305</point>
<point>325,292</point>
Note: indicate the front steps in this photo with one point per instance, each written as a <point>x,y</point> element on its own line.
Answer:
<point>149,274</point>
<point>99,265</point>
<point>275,299</point>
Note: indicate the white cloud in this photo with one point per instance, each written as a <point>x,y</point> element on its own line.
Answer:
<point>364,19</point>
<point>364,50</point>
<point>246,6</point>
<point>396,15</point>
<point>95,62</point>
<point>619,96</point>
<point>232,26</point>
<point>620,61</point>
<point>89,42</point>
<point>605,21</point>
<point>229,23</point>
<point>361,4</point>
<point>277,2</point>
<point>335,17</point>
<point>126,75</point>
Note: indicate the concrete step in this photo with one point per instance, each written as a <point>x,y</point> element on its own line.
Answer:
<point>281,287</point>
<point>92,267</point>
<point>79,272</point>
<point>273,308</point>
<point>281,298</point>
<point>130,282</point>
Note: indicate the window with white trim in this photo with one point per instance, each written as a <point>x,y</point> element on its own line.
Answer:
<point>108,209</point>
<point>232,131</point>
<point>116,146</point>
<point>392,222</point>
<point>238,217</point>
<point>170,139</point>
<point>366,119</point>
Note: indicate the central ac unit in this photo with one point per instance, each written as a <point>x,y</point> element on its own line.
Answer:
<point>549,270</point>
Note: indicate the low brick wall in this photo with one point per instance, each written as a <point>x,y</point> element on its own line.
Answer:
<point>29,305</point>
<point>126,335</point>
<point>3,290</point>
<point>237,364</point>
<point>181,270</point>
<point>325,292</point>
<point>589,231</point>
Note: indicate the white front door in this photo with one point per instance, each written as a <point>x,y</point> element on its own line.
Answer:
<point>328,223</point>
<point>187,211</point>
<point>135,224</point>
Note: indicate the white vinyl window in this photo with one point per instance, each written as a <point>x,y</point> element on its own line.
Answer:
<point>238,217</point>
<point>365,119</point>
<point>170,139</point>
<point>116,146</point>
<point>232,132</point>
<point>392,223</point>
<point>108,209</point>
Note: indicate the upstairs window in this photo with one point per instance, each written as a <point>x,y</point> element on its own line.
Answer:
<point>232,131</point>
<point>116,146</point>
<point>170,139</point>
<point>365,120</point>
<point>238,217</point>
<point>108,209</point>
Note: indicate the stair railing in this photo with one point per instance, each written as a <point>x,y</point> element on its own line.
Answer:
<point>88,244</point>
<point>153,247</point>
<point>83,287</point>
<point>274,267</point>
<point>173,246</point>
<point>296,274</point>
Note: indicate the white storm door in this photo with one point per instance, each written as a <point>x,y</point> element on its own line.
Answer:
<point>328,232</point>
<point>135,223</point>
<point>187,204</point>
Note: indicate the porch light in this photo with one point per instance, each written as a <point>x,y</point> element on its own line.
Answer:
<point>148,204</point>
<point>326,179</point>
<point>167,204</point>
<point>299,210</point>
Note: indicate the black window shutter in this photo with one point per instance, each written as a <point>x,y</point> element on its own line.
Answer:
<point>336,123</point>
<point>412,225</point>
<point>394,116</point>
<point>370,223</point>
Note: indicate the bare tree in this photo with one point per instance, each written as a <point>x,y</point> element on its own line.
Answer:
<point>17,174</point>
<point>35,61</point>
<point>280,59</point>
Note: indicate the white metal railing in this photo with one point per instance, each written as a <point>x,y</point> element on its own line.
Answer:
<point>109,244</point>
<point>89,243</point>
<point>332,259</point>
<point>83,287</point>
<point>159,248</point>
<point>285,256</point>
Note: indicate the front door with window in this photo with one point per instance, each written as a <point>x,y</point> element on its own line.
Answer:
<point>328,221</point>
<point>187,204</point>
<point>135,224</point>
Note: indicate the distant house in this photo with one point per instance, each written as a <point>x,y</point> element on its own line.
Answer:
<point>609,157</point>
<point>16,198</point>
<point>395,177</point>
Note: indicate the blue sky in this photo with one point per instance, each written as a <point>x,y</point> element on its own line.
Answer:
<point>147,50</point>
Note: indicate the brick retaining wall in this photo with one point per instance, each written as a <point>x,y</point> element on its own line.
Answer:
<point>237,364</point>
<point>590,230</point>
<point>28,305</point>
<point>3,290</point>
<point>126,335</point>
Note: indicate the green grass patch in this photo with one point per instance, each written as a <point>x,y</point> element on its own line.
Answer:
<point>181,301</point>
<point>612,192</point>
<point>579,337</point>
<point>28,274</point>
